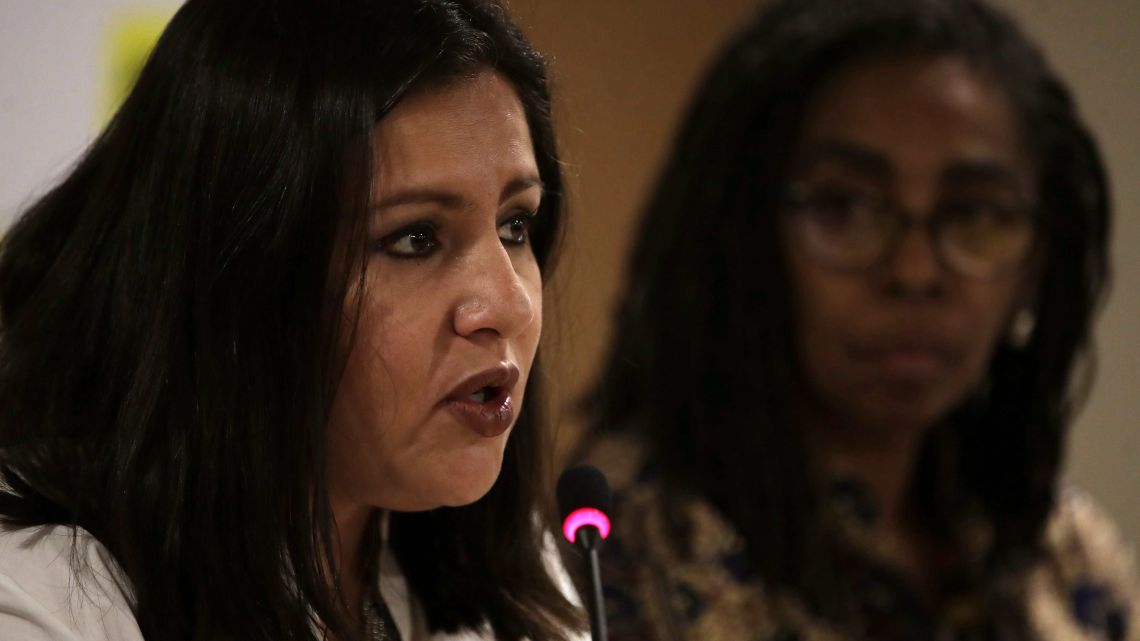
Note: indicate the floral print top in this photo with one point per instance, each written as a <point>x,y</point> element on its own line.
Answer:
<point>1084,589</point>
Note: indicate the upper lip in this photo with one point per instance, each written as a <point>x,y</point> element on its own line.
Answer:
<point>502,376</point>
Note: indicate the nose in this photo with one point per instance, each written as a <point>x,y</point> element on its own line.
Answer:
<point>914,267</point>
<point>496,297</point>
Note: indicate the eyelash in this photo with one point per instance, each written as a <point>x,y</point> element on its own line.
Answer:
<point>426,234</point>
<point>426,231</point>
<point>526,218</point>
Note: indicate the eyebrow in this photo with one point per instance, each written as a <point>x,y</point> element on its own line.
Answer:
<point>451,199</point>
<point>869,161</point>
<point>980,172</point>
<point>520,184</point>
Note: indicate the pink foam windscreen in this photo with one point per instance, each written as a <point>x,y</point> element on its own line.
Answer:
<point>582,517</point>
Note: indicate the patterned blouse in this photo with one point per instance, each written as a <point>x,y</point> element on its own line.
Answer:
<point>1084,589</point>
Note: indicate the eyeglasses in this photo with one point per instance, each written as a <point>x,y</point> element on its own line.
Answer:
<point>847,229</point>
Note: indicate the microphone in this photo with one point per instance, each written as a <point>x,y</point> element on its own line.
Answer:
<point>584,501</point>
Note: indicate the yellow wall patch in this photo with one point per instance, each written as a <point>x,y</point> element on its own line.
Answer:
<point>130,37</point>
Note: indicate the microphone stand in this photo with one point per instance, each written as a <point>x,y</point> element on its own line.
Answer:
<point>589,538</point>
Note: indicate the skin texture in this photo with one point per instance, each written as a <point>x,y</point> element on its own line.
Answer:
<point>889,350</point>
<point>448,293</point>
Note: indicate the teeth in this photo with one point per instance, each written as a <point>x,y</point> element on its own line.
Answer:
<point>481,396</point>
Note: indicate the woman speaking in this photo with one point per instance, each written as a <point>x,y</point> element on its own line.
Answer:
<point>268,353</point>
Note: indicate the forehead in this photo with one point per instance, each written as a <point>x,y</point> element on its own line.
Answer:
<point>471,128</point>
<point>919,112</point>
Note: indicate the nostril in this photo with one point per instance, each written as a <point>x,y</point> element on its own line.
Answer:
<point>500,298</point>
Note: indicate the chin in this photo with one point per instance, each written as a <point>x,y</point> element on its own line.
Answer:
<point>466,495</point>
<point>469,478</point>
<point>892,411</point>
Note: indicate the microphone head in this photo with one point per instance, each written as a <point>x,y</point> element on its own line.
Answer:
<point>584,499</point>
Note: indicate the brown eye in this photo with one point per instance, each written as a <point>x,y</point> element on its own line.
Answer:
<point>416,241</point>
<point>985,236</point>
<point>836,209</point>
<point>841,226</point>
<point>516,229</point>
<point>979,214</point>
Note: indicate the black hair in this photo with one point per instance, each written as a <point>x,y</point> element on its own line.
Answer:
<point>171,325</point>
<point>703,362</point>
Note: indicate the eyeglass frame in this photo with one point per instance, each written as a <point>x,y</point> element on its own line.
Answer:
<point>794,203</point>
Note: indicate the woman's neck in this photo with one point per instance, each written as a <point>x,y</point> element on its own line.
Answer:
<point>884,460</point>
<point>352,525</point>
<point>885,465</point>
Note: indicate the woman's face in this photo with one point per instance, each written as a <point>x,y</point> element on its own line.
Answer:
<point>900,342</point>
<point>450,306</point>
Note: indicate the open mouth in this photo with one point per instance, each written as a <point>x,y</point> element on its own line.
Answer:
<point>485,394</point>
<point>483,401</point>
<point>492,385</point>
<point>489,410</point>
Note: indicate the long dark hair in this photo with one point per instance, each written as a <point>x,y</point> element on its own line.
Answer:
<point>171,330</point>
<point>702,360</point>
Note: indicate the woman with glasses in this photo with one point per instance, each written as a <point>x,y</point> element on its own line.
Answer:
<point>850,344</point>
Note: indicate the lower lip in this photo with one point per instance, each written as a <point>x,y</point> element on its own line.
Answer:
<point>911,364</point>
<point>488,419</point>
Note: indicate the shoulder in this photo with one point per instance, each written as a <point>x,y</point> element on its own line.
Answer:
<point>696,586</point>
<point>1087,581</point>
<point>646,512</point>
<point>59,583</point>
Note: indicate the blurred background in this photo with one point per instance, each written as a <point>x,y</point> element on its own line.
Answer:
<point>622,71</point>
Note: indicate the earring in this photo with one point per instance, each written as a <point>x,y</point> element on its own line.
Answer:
<point>1021,328</point>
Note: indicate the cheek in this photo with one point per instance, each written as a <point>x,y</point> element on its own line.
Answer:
<point>823,363</point>
<point>385,360</point>
<point>531,280</point>
<point>824,304</point>
<point>364,397</point>
<point>991,305</point>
